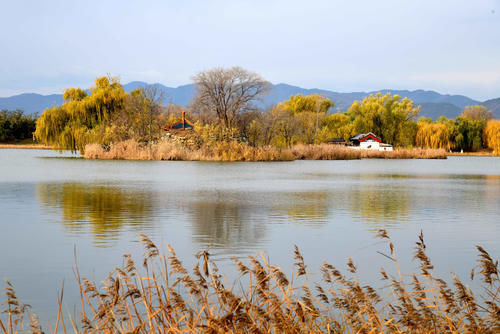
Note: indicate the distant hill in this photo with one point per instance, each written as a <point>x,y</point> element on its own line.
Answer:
<point>436,109</point>
<point>494,106</point>
<point>31,102</point>
<point>180,95</point>
<point>433,104</point>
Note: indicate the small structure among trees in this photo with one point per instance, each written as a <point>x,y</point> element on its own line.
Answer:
<point>369,141</point>
<point>182,124</point>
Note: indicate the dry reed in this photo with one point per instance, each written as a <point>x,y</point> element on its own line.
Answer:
<point>166,297</point>
<point>237,151</point>
<point>218,151</point>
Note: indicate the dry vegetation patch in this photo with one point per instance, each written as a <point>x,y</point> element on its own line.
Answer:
<point>164,296</point>
<point>238,151</point>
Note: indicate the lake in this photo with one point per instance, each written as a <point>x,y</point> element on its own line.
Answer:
<point>52,204</point>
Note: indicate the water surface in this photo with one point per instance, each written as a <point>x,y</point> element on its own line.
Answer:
<point>52,204</point>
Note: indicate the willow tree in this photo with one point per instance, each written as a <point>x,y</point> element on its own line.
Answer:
<point>82,118</point>
<point>307,103</point>
<point>307,112</point>
<point>432,135</point>
<point>228,93</point>
<point>337,125</point>
<point>388,116</point>
<point>491,136</point>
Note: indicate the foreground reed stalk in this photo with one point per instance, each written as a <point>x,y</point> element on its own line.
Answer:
<point>236,151</point>
<point>166,297</point>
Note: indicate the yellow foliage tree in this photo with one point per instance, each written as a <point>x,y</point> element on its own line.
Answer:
<point>387,116</point>
<point>337,126</point>
<point>491,136</point>
<point>82,118</point>
<point>298,119</point>
<point>432,135</point>
<point>306,103</point>
<point>477,113</point>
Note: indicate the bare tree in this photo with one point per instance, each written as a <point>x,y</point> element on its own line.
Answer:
<point>153,96</point>
<point>228,92</point>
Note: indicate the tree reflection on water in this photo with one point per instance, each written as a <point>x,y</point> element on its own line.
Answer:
<point>240,218</point>
<point>220,223</point>
<point>103,209</point>
<point>380,206</point>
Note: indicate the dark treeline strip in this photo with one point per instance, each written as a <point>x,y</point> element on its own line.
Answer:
<point>16,126</point>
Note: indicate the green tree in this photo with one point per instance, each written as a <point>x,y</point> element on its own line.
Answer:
<point>388,116</point>
<point>469,134</point>
<point>15,125</point>
<point>82,119</point>
<point>337,126</point>
<point>307,103</point>
<point>306,113</point>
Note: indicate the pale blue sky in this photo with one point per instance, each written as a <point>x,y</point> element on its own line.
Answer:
<point>448,46</point>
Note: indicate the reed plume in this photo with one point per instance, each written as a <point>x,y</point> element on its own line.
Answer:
<point>164,296</point>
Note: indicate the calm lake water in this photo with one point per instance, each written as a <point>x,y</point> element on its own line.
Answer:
<point>51,204</point>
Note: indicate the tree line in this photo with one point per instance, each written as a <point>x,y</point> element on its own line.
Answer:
<point>226,107</point>
<point>16,126</point>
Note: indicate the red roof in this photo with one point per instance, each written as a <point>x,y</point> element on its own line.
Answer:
<point>180,125</point>
<point>365,136</point>
<point>370,136</point>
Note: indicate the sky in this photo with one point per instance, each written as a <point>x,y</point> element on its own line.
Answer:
<point>452,47</point>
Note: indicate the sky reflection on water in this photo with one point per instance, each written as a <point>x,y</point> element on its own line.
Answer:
<point>330,209</point>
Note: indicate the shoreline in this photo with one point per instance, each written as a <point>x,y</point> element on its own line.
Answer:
<point>46,147</point>
<point>471,154</point>
<point>25,146</point>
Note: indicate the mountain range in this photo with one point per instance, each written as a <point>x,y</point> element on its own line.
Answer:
<point>432,104</point>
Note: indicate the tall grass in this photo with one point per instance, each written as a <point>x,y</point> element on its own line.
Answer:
<point>217,151</point>
<point>167,297</point>
<point>237,151</point>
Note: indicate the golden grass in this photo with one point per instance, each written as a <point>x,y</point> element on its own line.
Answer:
<point>217,151</point>
<point>324,152</point>
<point>165,297</point>
<point>236,151</point>
<point>403,153</point>
<point>472,154</point>
<point>26,146</point>
<point>334,152</point>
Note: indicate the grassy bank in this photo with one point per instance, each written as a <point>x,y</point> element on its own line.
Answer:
<point>26,146</point>
<point>472,154</point>
<point>164,297</point>
<point>235,151</point>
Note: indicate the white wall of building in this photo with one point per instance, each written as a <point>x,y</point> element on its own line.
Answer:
<point>369,144</point>
<point>373,145</point>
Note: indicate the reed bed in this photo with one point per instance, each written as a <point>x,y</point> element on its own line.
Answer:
<point>403,153</point>
<point>166,297</point>
<point>334,152</point>
<point>217,151</point>
<point>237,151</point>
